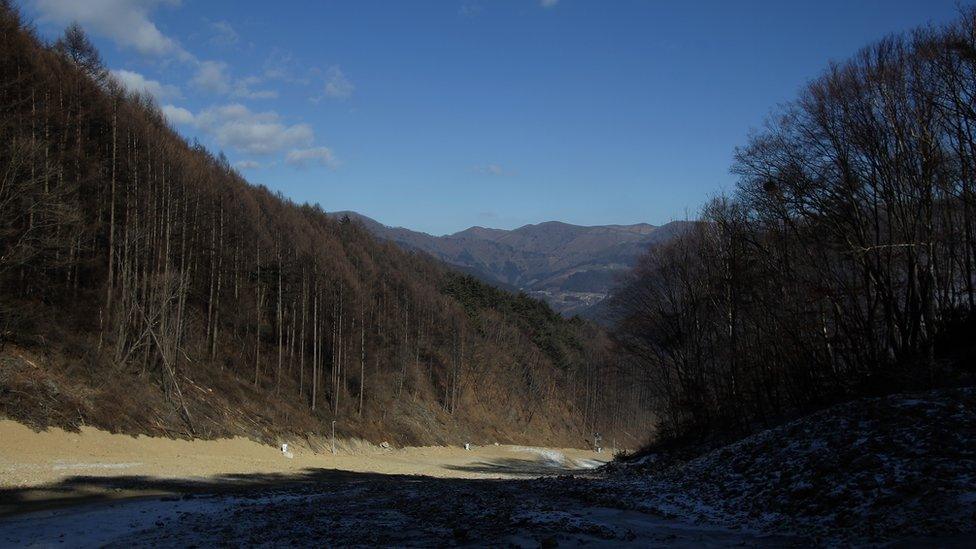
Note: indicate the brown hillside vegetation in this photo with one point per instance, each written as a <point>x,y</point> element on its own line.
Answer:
<point>148,288</point>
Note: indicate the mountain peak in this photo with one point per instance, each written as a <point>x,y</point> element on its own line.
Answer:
<point>484,233</point>
<point>573,267</point>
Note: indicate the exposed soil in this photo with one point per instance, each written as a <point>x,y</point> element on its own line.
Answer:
<point>40,459</point>
<point>138,491</point>
<point>94,488</point>
<point>896,470</point>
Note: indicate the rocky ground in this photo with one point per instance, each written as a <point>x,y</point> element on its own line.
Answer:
<point>355,509</point>
<point>876,470</point>
<point>96,489</point>
<point>894,471</point>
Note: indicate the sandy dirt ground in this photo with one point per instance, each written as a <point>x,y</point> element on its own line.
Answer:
<point>95,489</point>
<point>29,458</point>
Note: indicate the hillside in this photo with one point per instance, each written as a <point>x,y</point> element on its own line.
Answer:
<point>148,288</point>
<point>870,470</point>
<point>572,267</point>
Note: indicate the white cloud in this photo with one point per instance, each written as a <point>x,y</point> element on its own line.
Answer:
<point>491,169</point>
<point>337,86</point>
<point>137,83</point>
<point>281,65</point>
<point>242,88</point>
<point>247,93</point>
<point>237,127</point>
<point>247,165</point>
<point>258,133</point>
<point>126,22</point>
<point>178,115</point>
<point>212,76</point>
<point>233,126</point>
<point>469,8</point>
<point>548,3</point>
<point>318,155</point>
<point>224,34</point>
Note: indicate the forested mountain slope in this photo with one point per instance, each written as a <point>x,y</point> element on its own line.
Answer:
<point>148,288</point>
<point>572,267</point>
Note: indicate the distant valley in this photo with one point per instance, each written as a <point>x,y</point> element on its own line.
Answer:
<point>572,267</point>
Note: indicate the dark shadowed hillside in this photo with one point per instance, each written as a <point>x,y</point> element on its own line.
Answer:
<point>572,267</point>
<point>148,288</point>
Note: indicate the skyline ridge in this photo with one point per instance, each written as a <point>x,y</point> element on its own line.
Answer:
<point>526,225</point>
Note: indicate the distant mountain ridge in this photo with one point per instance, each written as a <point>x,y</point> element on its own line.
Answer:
<point>572,267</point>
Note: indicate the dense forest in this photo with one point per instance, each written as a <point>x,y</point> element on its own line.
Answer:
<point>148,288</point>
<point>843,262</point>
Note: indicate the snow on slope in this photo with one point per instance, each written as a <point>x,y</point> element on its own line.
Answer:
<point>897,467</point>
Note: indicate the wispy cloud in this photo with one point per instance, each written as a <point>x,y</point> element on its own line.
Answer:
<point>137,83</point>
<point>239,129</point>
<point>233,126</point>
<point>178,116</point>
<point>491,169</point>
<point>322,156</point>
<point>548,3</point>
<point>470,8</point>
<point>126,22</point>
<point>215,77</point>
<point>243,88</point>
<point>281,65</point>
<point>212,76</point>
<point>247,165</point>
<point>337,86</point>
<point>224,34</point>
<point>256,133</point>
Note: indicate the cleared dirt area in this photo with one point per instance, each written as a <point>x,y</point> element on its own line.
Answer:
<point>94,489</point>
<point>892,471</point>
<point>32,463</point>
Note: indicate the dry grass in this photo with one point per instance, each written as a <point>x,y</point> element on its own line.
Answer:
<point>73,386</point>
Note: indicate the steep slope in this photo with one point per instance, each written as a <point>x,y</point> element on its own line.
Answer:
<point>572,267</point>
<point>146,287</point>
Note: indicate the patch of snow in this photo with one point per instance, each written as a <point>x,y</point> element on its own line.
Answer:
<point>589,463</point>
<point>867,470</point>
<point>551,458</point>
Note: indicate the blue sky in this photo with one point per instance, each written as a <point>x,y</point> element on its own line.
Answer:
<point>439,115</point>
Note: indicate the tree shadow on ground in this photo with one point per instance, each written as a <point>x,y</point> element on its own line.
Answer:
<point>92,489</point>
<point>529,468</point>
<point>333,507</point>
<point>327,505</point>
